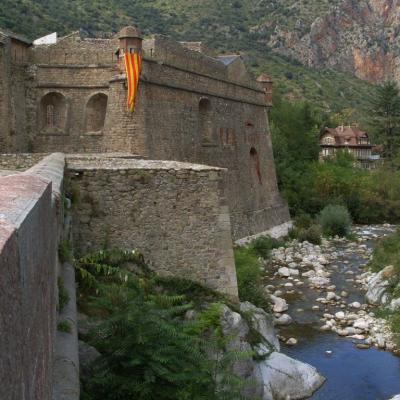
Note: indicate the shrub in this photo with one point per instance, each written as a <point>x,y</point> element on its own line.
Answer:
<point>303,221</point>
<point>386,252</point>
<point>149,350</point>
<point>335,220</point>
<point>293,233</point>
<point>312,234</point>
<point>248,271</point>
<point>263,245</point>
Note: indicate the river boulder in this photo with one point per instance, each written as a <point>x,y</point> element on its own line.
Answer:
<point>378,284</point>
<point>261,322</point>
<point>284,378</point>
<point>395,305</point>
<point>276,376</point>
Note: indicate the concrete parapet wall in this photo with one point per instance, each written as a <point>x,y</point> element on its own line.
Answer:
<point>29,226</point>
<point>174,213</point>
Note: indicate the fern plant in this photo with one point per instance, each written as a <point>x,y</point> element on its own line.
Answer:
<point>149,350</point>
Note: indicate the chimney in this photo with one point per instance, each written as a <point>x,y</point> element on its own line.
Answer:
<point>130,41</point>
<point>266,82</point>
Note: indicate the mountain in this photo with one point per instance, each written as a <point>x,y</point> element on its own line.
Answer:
<point>356,36</point>
<point>314,49</point>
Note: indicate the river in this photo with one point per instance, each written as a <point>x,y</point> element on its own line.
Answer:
<point>351,373</point>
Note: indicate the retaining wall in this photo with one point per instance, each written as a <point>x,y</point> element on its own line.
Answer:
<point>174,213</point>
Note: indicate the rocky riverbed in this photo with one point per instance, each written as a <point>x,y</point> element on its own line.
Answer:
<point>323,294</point>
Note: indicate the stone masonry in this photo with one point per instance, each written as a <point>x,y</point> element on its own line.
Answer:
<point>174,213</point>
<point>70,96</point>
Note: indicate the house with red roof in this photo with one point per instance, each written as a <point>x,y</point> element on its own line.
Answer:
<point>351,139</point>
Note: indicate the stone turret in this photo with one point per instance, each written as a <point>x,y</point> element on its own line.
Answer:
<point>266,82</point>
<point>130,40</point>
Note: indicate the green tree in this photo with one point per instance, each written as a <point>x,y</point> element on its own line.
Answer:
<point>385,117</point>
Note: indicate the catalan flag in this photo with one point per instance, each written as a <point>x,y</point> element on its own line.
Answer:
<point>133,62</point>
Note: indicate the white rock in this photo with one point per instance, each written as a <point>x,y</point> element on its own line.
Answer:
<point>356,304</point>
<point>361,324</point>
<point>291,379</point>
<point>291,342</point>
<point>331,296</point>
<point>284,319</point>
<point>294,272</point>
<point>377,285</point>
<point>280,304</point>
<point>325,327</point>
<point>380,341</point>
<point>340,315</point>
<point>395,304</point>
<point>261,322</point>
<point>284,271</point>
<point>319,281</point>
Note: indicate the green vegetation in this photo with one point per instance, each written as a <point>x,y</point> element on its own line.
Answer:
<point>63,296</point>
<point>155,335</point>
<point>387,252</point>
<point>64,326</point>
<point>309,185</point>
<point>312,234</point>
<point>244,26</point>
<point>335,220</point>
<point>249,270</point>
<point>65,251</point>
<point>385,118</point>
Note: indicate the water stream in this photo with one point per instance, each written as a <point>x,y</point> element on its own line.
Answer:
<point>352,373</point>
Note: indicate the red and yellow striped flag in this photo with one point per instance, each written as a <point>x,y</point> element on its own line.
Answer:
<point>133,62</point>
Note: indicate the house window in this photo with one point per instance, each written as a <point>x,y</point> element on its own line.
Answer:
<point>329,140</point>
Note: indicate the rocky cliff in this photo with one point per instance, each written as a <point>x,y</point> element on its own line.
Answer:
<point>356,36</point>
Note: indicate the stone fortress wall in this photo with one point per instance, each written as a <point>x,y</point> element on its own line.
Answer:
<point>191,107</point>
<point>174,213</point>
<point>204,118</point>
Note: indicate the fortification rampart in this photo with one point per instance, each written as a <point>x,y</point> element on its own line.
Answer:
<point>174,213</point>
<point>29,227</point>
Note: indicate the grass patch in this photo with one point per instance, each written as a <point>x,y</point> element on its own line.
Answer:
<point>249,270</point>
<point>65,251</point>
<point>387,252</point>
<point>64,326</point>
<point>63,296</point>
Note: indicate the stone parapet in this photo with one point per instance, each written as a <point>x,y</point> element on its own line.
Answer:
<point>174,213</point>
<point>30,222</point>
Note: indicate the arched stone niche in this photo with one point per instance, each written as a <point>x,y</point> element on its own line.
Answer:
<point>53,113</point>
<point>95,113</point>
